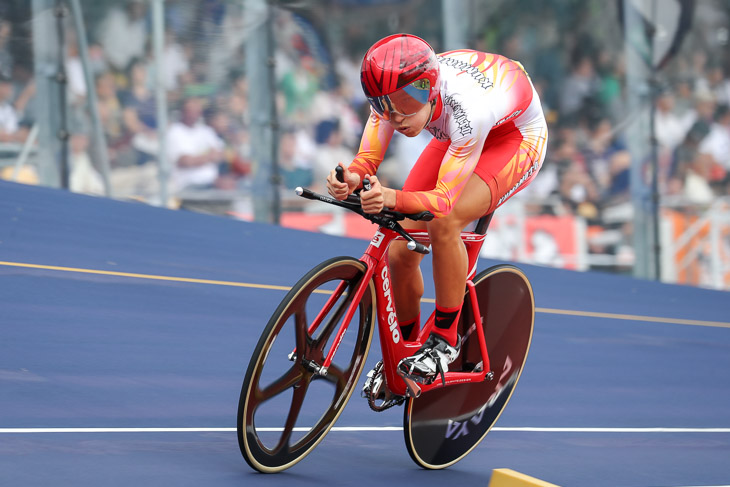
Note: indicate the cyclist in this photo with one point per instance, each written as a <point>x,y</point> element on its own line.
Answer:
<point>489,140</point>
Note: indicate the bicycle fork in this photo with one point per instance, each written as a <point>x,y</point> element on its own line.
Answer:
<point>326,309</point>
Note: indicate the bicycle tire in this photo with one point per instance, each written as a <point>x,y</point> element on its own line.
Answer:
<point>444,425</point>
<point>299,376</point>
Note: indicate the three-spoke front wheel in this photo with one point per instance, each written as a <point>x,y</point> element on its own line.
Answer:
<point>285,380</point>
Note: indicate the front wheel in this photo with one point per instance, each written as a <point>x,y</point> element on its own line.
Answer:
<point>442,426</point>
<point>287,403</point>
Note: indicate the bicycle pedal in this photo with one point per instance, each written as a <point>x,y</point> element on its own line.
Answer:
<point>414,390</point>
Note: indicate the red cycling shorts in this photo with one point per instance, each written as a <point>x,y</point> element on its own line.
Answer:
<point>508,162</point>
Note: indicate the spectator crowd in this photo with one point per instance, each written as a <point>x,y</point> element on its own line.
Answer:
<point>576,59</point>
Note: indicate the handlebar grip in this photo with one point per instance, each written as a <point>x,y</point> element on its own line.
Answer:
<point>340,173</point>
<point>418,247</point>
<point>366,184</point>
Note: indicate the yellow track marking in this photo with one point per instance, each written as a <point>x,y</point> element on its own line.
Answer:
<point>652,319</point>
<point>587,314</point>
<point>144,276</point>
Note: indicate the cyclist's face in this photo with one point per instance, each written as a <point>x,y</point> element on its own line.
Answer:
<point>412,124</point>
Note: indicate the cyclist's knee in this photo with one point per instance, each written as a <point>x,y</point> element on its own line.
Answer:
<point>445,230</point>
<point>400,258</point>
<point>399,255</point>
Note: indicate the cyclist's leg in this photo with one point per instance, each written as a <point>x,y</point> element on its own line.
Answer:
<point>450,260</point>
<point>511,157</point>
<point>406,277</point>
<point>407,280</point>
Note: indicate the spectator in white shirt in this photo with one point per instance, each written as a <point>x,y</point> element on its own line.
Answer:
<point>193,149</point>
<point>717,142</point>
<point>670,128</point>
<point>123,34</point>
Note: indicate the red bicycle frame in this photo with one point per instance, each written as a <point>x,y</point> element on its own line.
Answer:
<point>393,346</point>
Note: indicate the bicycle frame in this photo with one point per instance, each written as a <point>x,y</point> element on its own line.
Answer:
<point>394,347</point>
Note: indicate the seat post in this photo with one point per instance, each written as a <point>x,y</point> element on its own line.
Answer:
<point>483,224</point>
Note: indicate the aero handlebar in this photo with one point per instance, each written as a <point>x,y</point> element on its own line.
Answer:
<point>386,218</point>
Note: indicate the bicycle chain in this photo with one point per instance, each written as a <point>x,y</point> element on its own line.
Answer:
<point>367,391</point>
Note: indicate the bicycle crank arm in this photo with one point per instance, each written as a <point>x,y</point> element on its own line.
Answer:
<point>414,390</point>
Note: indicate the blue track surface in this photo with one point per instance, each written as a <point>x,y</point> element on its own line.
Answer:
<point>97,350</point>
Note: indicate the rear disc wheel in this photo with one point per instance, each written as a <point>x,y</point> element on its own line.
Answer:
<point>442,426</point>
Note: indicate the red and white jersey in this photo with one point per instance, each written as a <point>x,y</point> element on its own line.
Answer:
<point>480,93</point>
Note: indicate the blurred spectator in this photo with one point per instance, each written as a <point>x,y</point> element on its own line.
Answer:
<point>330,151</point>
<point>581,86</point>
<point>299,86</point>
<point>123,33</point>
<point>331,105</point>
<point>717,143</point>
<point>619,173</point>
<point>84,178</point>
<point>176,62</point>
<point>139,116</point>
<point>684,100</point>
<point>705,106</point>
<point>598,148</point>
<point>74,71</point>
<point>697,188</point>
<point>715,81</point>
<point>10,129</point>
<point>669,128</point>
<point>612,72</point>
<point>25,86</point>
<point>296,151</point>
<point>110,111</point>
<point>234,98</point>
<point>577,189</point>
<point>194,149</point>
<point>348,71</point>
<point>236,153</point>
<point>684,155</point>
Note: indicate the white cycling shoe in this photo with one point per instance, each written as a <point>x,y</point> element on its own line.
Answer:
<point>432,359</point>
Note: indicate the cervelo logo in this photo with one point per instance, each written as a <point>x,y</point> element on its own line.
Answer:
<point>377,239</point>
<point>392,318</point>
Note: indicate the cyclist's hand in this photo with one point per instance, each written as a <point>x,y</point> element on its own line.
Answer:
<point>372,201</point>
<point>341,190</point>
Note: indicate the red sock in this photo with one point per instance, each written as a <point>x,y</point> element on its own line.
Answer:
<point>409,329</point>
<point>445,324</point>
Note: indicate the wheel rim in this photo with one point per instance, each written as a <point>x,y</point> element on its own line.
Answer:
<point>309,413</point>
<point>444,425</point>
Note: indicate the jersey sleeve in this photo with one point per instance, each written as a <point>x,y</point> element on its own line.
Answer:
<point>375,139</point>
<point>456,167</point>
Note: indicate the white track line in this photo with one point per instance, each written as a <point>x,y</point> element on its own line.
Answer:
<point>358,429</point>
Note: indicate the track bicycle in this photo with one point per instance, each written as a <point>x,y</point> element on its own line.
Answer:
<point>312,351</point>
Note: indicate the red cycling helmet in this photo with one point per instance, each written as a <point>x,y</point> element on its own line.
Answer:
<point>400,74</point>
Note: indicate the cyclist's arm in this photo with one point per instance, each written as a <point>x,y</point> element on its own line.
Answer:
<point>456,167</point>
<point>374,142</point>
